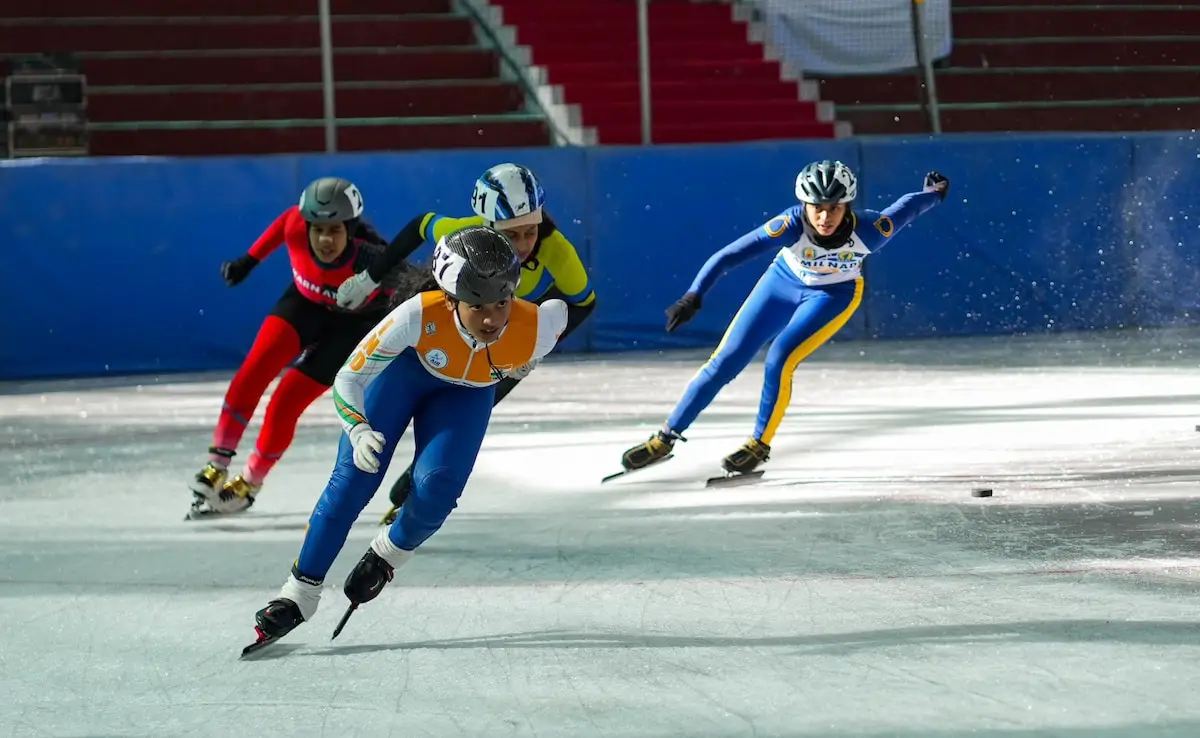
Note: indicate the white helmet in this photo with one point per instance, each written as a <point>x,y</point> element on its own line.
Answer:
<point>826,183</point>
<point>508,196</point>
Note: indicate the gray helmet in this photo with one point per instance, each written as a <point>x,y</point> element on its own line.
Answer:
<point>826,183</point>
<point>476,265</point>
<point>331,200</point>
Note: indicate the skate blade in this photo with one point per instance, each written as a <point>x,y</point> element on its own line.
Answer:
<point>263,641</point>
<point>734,479</point>
<point>198,511</point>
<point>345,618</point>
<point>623,472</point>
<point>205,513</point>
<point>201,510</point>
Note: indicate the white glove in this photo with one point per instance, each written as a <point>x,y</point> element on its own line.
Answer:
<point>367,445</point>
<point>354,291</point>
<point>524,370</point>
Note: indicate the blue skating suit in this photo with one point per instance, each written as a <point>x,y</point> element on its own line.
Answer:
<point>807,294</point>
<point>419,367</point>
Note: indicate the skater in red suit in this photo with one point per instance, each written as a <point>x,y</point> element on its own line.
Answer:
<point>328,243</point>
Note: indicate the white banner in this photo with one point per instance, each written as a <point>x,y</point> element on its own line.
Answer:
<point>832,37</point>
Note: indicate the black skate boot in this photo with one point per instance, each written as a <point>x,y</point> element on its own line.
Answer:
<point>371,574</point>
<point>653,451</point>
<point>368,578</point>
<point>277,619</point>
<point>400,492</point>
<point>747,458</point>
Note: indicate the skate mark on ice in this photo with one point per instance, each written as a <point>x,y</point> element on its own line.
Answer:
<point>1146,632</point>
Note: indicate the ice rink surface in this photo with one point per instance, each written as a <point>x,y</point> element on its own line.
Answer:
<point>858,590</point>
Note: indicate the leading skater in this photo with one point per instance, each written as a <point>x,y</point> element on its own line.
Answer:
<point>807,294</point>
<point>511,199</point>
<point>434,361</point>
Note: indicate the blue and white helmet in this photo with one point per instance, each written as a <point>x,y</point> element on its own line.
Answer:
<point>508,196</point>
<point>826,183</point>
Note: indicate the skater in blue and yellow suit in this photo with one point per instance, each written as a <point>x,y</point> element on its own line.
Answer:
<point>433,361</point>
<point>807,294</point>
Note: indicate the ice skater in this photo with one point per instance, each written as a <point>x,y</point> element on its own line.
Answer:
<point>327,241</point>
<point>433,362</point>
<point>807,294</point>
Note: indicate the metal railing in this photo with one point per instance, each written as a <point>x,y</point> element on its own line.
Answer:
<point>915,24</point>
<point>925,70</point>
<point>516,68</point>
<point>919,29</point>
<point>327,85</point>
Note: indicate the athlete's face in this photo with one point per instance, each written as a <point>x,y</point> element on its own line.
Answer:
<point>523,238</point>
<point>328,240</point>
<point>825,219</point>
<point>483,321</point>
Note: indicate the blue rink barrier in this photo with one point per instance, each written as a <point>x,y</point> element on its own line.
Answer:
<point>113,262</point>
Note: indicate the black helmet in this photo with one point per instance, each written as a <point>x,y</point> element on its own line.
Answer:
<point>476,265</point>
<point>331,200</point>
<point>826,183</point>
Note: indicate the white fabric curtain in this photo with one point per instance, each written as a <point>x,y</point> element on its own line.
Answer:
<point>832,37</point>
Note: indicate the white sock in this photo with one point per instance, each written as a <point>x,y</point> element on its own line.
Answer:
<point>386,550</point>
<point>306,596</point>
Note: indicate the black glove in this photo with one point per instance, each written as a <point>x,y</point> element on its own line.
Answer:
<point>936,182</point>
<point>233,272</point>
<point>684,309</point>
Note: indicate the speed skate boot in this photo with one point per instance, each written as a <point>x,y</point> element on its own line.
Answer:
<point>297,602</point>
<point>375,569</point>
<point>210,479</point>
<point>657,449</point>
<point>278,618</point>
<point>368,578</point>
<point>208,482</point>
<point>237,495</point>
<point>747,458</point>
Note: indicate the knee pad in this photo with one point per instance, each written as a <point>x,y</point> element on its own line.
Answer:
<point>438,490</point>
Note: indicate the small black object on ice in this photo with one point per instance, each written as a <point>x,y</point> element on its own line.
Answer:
<point>981,492</point>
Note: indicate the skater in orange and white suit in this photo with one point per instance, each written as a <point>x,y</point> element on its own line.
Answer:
<point>433,362</point>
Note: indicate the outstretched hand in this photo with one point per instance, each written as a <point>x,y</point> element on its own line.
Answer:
<point>233,272</point>
<point>937,182</point>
